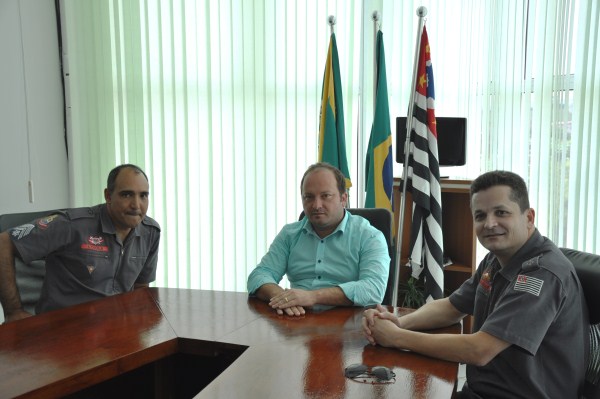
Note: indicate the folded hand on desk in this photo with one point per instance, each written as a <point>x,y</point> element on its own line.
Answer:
<point>292,302</point>
<point>378,325</point>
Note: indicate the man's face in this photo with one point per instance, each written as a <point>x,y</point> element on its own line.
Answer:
<point>499,224</point>
<point>128,203</point>
<point>322,201</point>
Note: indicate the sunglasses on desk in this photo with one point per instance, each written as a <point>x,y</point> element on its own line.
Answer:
<point>370,375</point>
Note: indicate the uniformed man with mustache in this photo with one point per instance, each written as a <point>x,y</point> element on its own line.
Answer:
<point>90,252</point>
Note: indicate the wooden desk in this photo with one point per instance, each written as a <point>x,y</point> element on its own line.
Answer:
<point>263,355</point>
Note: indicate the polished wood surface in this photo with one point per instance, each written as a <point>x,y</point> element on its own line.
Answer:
<point>305,358</point>
<point>61,352</point>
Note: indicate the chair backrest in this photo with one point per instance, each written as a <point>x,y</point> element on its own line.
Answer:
<point>381,219</point>
<point>16,219</point>
<point>587,267</point>
<point>30,277</point>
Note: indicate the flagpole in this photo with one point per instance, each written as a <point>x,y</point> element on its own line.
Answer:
<point>360,146</point>
<point>331,21</point>
<point>421,13</point>
<point>375,18</point>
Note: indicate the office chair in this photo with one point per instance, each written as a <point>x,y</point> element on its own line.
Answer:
<point>30,277</point>
<point>381,219</point>
<point>587,267</point>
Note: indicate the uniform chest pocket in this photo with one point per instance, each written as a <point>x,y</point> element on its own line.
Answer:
<point>132,266</point>
<point>137,260</point>
<point>130,270</point>
<point>91,266</point>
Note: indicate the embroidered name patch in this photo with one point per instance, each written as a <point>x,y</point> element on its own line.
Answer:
<point>21,231</point>
<point>93,244</point>
<point>529,284</point>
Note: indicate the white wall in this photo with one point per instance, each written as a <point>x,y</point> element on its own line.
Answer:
<point>32,145</point>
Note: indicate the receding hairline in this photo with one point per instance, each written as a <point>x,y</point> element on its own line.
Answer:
<point>315,170</point>
<point>116,172</point>
<point>340,180</point>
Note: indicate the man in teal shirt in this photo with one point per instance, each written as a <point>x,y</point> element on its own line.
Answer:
<point>331,257</point>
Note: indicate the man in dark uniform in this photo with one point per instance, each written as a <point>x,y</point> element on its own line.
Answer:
<point>530,333</point>
<point>90,252</point>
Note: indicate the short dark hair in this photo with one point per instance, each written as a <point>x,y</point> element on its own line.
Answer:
<point>339,176</point>
<point>518,188</point>
<point>112,176</point>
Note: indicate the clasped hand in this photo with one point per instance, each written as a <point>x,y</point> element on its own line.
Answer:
<point>379,325</point>
<point>292,302</point>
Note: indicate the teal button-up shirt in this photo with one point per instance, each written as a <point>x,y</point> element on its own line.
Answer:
<point>354,257</point>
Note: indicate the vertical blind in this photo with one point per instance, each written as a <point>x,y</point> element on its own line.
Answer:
<point>218,101</point>
<point>582,215</point>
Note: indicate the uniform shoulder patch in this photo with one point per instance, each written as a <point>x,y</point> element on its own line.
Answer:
<point>525,283</point>
<point>21,231</point>
<point>43,223</point>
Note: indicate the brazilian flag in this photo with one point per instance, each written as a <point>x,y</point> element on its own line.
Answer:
<point>332,140</point>
<point>379,166</point>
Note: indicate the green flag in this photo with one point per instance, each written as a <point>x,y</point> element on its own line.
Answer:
<point>379,163</point>
<point>332,140</point>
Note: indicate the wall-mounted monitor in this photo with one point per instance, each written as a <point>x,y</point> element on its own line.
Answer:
<point>452,140</point>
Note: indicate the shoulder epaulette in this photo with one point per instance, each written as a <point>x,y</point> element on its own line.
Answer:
<point>79,213</point>
<point>148,221</point>
<point>532,264</point>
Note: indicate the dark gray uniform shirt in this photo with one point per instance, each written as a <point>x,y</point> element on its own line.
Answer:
<point>84,259</point>
<point>535,303</point>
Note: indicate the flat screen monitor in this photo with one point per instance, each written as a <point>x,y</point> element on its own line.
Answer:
<point>452,140</point>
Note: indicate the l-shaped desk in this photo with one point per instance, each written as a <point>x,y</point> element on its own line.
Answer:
<point>180,343</point>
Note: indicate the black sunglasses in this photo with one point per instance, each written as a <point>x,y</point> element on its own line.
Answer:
<point>374,375</point>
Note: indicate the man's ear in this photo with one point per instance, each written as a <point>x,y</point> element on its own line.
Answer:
<point>106,196</point>
<point>530,213</point>
<point>345,199</point>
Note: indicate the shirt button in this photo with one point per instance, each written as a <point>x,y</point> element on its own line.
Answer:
<point>322,241</point>
<point>319,277</point>
<point>319,261</point>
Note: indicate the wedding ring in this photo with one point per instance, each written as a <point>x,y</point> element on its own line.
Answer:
<point>286,299</point>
